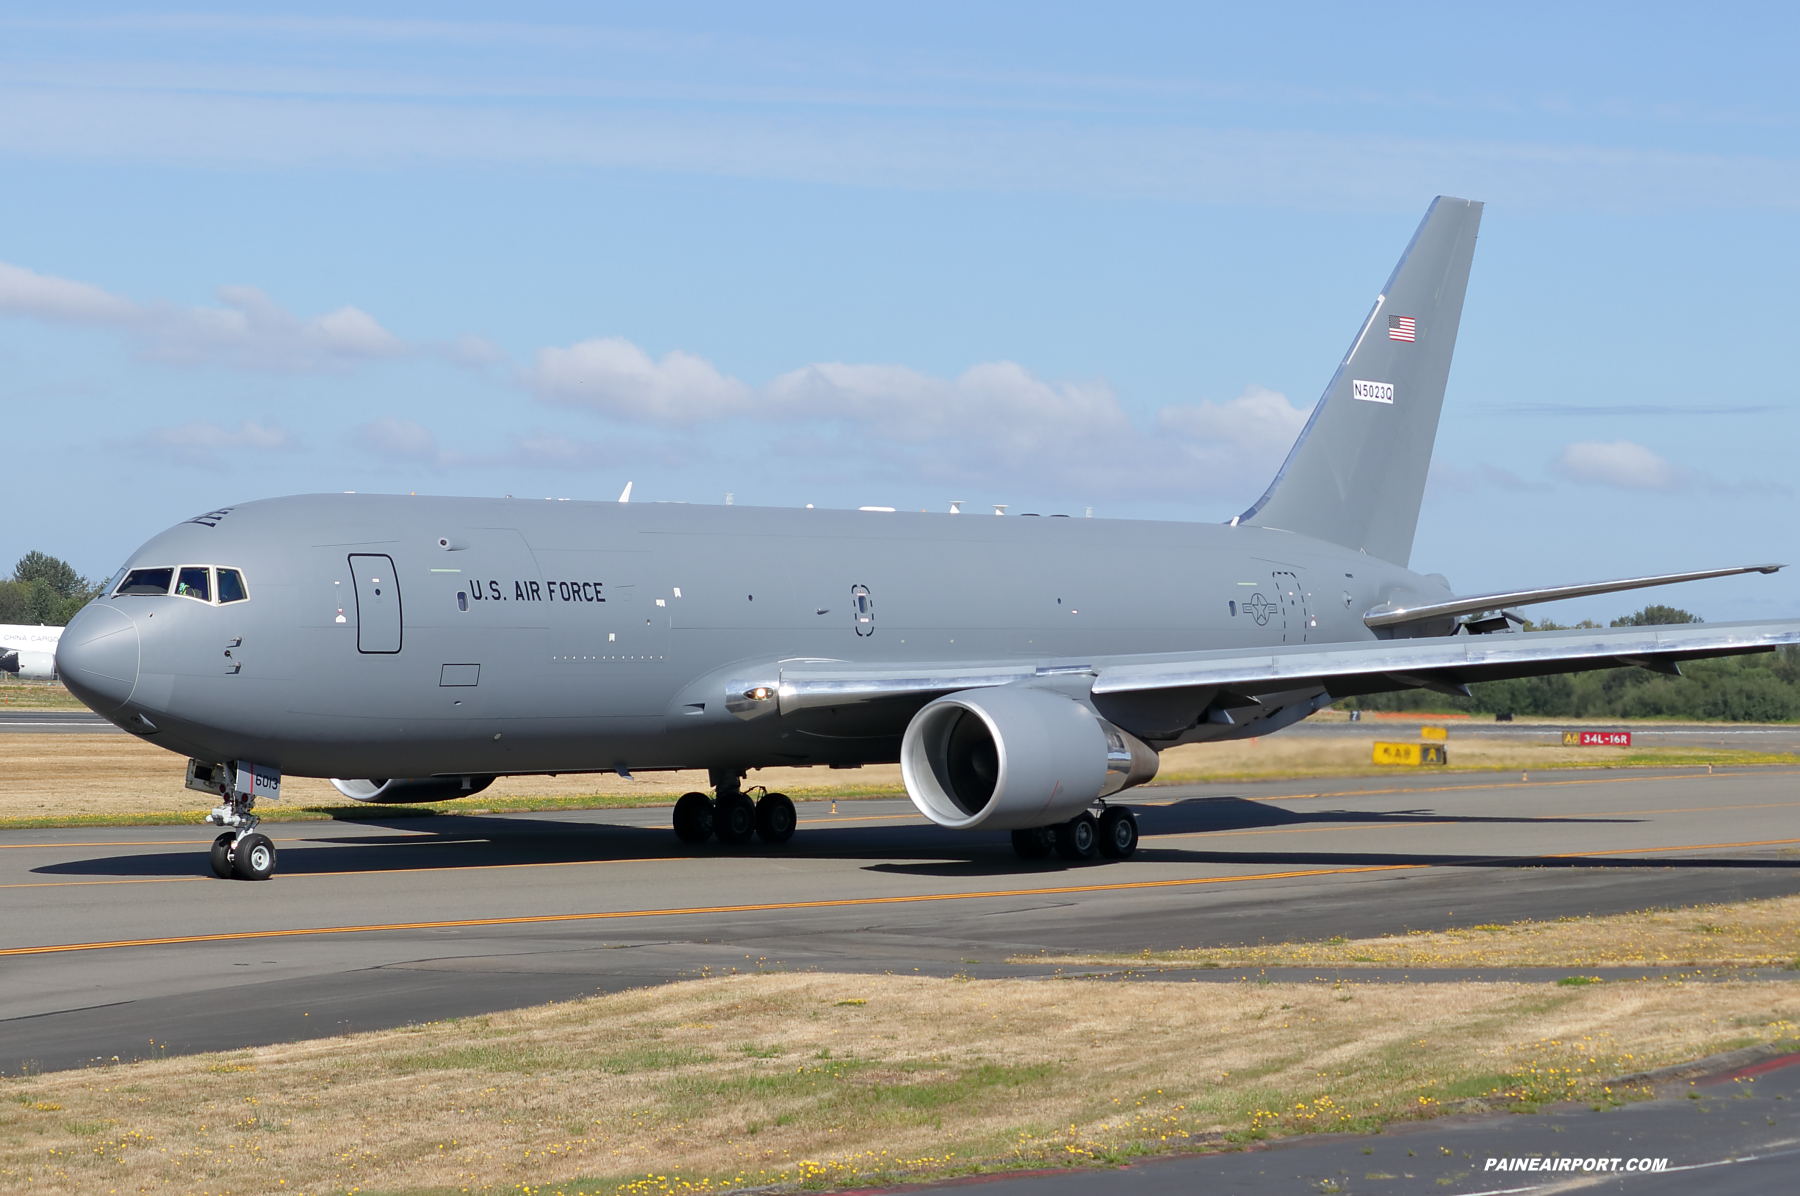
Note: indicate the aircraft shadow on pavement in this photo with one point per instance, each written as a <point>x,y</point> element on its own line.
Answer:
<point>499,841</point>
<point>1200,814</point>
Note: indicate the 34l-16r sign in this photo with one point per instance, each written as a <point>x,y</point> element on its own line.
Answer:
<point>1596,738</point>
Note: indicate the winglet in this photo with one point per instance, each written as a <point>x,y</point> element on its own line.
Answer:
<point>625,494</point>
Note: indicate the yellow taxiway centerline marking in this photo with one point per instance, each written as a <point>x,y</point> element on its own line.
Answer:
<point>1683,776</point>
<point>688,911</point>
<point>164,880</point>
<point>836,903</point>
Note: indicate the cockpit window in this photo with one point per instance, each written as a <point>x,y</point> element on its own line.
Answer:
<point>194,582</point>
<point>147,581</point>
<point>231,586</point>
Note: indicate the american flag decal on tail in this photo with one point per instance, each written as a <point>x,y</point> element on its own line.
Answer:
<point>1402,328</point>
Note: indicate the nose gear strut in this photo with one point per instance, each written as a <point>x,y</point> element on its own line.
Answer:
<point>242,852</point>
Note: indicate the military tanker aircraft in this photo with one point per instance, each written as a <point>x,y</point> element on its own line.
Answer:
<point>1022,671</point>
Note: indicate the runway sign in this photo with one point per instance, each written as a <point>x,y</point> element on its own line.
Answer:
<point>1411,753</point>
<point>1596,738</point>
<point>1434,733</point>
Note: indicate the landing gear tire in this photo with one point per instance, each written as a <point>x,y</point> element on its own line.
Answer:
<point>253,858</point>
<point>775,818</point>
<point>220,856</point>
<point>1078,838</point>
<point>694,818</point>
<point>1034,843</point>
<point>735,821</point>
<point>1118,833</point>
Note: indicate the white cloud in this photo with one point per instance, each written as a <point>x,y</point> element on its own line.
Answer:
<point>612,375</point>
<point>1621,463</point>
<point>249,331</point>
<point>201,442</point>
<point>1446,479</point>
<point>45,297</point>
<point>994,420</point>
<point>1249,434</point>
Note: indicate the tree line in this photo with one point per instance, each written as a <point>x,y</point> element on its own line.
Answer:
<point>43,589</point>
<point>1764,688</point>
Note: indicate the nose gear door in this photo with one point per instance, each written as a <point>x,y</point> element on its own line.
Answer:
<point>378,622</point>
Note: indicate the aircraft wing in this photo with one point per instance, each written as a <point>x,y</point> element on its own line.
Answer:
<point>1165,696</point>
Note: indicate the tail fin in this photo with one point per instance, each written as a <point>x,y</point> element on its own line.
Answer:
<point>1357,474</point>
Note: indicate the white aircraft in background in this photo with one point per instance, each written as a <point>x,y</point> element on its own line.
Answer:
<point>29,652</point>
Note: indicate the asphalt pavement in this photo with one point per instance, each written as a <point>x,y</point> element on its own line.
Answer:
<point>118,942</point>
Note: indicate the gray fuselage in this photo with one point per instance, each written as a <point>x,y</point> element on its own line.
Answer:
<point>515,636</point>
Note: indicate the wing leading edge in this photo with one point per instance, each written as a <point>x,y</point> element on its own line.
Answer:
<point>1169,698</point>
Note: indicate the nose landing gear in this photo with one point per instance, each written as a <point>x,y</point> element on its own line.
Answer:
<point>244,852</point>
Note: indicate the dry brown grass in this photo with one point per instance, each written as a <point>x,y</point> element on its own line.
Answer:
<point>1277,757</point>
<point>117,777</point>
<point>36,695</point>
<point>830,1078</point>
<point>114,779</point>
<point>1748,934</point>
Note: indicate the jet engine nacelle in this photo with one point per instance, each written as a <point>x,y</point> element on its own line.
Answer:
<point>1009,758</point>
<point>29,666</point>
<point>401,791</point>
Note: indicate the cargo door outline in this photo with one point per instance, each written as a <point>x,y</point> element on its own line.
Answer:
<point>379,625</point>
<point>1295,606</point>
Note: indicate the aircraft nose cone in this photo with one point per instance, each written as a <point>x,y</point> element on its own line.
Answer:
<point>97,656</point>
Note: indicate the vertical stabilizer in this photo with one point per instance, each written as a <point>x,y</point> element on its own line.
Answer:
<point>1357,474</point>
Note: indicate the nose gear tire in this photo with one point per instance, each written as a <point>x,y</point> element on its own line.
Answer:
<point>253,858</point>
<point>220,856</point>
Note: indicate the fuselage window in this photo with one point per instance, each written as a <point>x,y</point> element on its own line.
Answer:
<point>194,582</point>
<point>1233,605</point>
<point>231,586</point>
<point>147,581</point>
<point>462,600</point>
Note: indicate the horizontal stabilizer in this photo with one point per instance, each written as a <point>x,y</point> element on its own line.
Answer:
<point>1388,615</point>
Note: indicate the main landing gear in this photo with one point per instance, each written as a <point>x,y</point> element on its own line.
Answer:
<point>1114,835</point>
<point>242,852</point>
<point>734,817</point>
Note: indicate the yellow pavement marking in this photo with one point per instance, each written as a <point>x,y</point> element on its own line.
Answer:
<point>1624,780</point>
<point>835,903</point>
<point>688,911</point>
<point>163,880</point>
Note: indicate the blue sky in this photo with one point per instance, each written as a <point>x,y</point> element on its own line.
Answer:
<point>1057,257</point>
